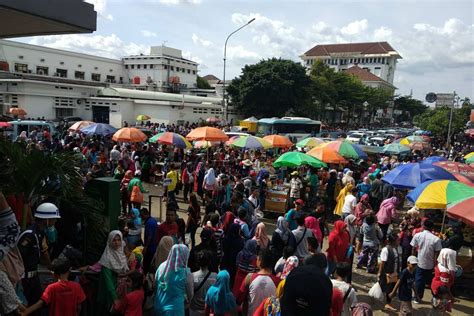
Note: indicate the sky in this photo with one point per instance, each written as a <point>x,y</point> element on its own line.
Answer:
<point>435,38</point>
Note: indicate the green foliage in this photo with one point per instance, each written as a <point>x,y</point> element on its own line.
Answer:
<point>270,88</point>
<point>409,107</point>
<point>202,83</point>
<point>437,120</point>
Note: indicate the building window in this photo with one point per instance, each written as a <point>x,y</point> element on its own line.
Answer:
<point>21,68</point>
<point>177,69</point>
<point>61,73</point>
<point>95,77</point>
<point>79,75</point>
<point>126,66</point>
<point>42,70</point>
<point>189,71</point>
<point>138,66</point>
<point>194,72</point>
<point>165,67</point>
<point>383,60</point>
<point>144,66</point>
<point>121,80</point>
<point>183,70</point>
<point>111,79</point>
<point>133,66</point>
<point>151,66</point>
<point>62,112</point>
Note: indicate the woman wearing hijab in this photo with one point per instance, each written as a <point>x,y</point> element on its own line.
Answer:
<point>387,211</point>
<point>281,238</point>
<point>210,182</point>
<point>113,263</point>
<point>174,283</point>
<point>246,263</point>
<point>229,218</point>
<point>261,236</point>
<point>290,263</point>
<point>233,243</point>
<point>162,251</point>
<point>339,241</point>
<point>199,178</point>
<point>351,228</point>
<point>271,306</point>
<point>348,178</point>
<point>364,187</point>
<point>341,197</point>
<point>444,270</point>
<point>219,299</point>
<point>312,223</point>
<point>125,194</point>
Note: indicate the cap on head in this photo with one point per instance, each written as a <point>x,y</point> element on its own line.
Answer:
<point>299,202</point>
<point>47,211</point>
<point>412,260</point>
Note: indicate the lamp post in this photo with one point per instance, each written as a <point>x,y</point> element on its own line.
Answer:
<point>225,54</point>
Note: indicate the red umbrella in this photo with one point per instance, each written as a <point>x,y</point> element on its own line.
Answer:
<point>463,179</point>
<point>463,210</point>
<point>456,167</point>
<point>5,124</point>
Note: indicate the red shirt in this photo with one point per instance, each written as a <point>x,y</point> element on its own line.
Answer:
<point>166,229</point>
<point>442,279</point>
<point>131,305</point>
<point>63,298</point>
<point>337,303</point>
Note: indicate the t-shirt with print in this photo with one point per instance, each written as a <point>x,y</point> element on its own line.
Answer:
<point>63,297</point>
<point>427,244</point>
<point>406,285</point>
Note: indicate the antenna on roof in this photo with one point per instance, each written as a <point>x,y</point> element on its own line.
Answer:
<point>164,43</point>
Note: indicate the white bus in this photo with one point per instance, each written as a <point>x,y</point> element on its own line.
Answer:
<point>296,128</point>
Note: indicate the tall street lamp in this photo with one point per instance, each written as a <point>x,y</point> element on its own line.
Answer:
<point>223,81</point>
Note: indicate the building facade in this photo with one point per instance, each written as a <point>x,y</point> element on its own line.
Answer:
<point>54,83</point>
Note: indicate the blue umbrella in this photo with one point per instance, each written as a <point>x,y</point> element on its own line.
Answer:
<point>434,159</point>
<point>410,175</point>
<point>99,129</point>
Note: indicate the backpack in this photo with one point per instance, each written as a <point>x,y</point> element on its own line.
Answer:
<point>362,309</point>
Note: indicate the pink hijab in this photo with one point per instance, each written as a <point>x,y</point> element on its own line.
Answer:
<point>312,223</point>
<point>260,236</point>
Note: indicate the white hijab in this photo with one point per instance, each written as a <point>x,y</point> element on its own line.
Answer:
<point>447,260</point>
<point>210,177</point>
<point>112,259</point>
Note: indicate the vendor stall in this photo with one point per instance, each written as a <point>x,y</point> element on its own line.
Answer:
<point>275,201</point>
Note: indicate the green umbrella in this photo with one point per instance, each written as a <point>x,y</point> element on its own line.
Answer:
<point>154,139</point>
<point>396,149</point>
<point>295,159</point>
<point>470,160</point>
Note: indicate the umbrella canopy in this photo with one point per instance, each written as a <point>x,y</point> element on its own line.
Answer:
<point>470,155</point>
<point>434,159</point>
<point>232,139</point>
<point>396,149</point>
<point>411,175</point>
<point>99,129</point>
<point>469,158</point>
<point>17,111</point>
<point>438,194</point>
<point>213,119</point>
<point>129,135</point>
<point>143,117</point>
<point>463,210</point>
<point>207,133</point>
<point>456,167</point>
<point>5,124</point>
<point>327,155</point>
<point>79,125</point>
<point>172,139</point>
<point>463,179</point>
<point>346,149</point>
<point>419,146</point>
<point>205,144</point>
<point>279,141</point>
<point>295,159</point>
<point>251,142</point>
<point>310,142</point>
<point>411,139</point>
<point>371,149</point>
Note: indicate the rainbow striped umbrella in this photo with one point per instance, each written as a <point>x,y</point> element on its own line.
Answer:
<point>251,142</point>
<point>463,210</point>
<point>310,142</point>
<point>346,149</point>
<point>469,158</point>
<point>412,139</point>
<point>437,194</point>
<point>205,144</point>
<point>172,139</point>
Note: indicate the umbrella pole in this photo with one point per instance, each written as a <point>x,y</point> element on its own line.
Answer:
<point>444,218</point>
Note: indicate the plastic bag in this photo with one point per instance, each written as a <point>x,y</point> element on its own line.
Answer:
<point>376,292</point>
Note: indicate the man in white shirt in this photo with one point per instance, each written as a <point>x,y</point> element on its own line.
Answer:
<point>428,246</point>
<point>350,202</point>
<point>301,235</point>
<point>347,291</point>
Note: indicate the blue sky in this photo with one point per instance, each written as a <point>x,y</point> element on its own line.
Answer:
<point>435,38</point>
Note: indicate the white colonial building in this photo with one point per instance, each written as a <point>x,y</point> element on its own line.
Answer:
<point>54,83</point>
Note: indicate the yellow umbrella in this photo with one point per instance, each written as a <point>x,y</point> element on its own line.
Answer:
<point>143,117</point>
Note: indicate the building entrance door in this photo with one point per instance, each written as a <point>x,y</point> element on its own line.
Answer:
<point>100,114</point>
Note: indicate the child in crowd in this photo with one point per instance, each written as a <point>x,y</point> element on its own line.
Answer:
<point>131,303</point>
<point>63,297</point>
<point>405,285</point>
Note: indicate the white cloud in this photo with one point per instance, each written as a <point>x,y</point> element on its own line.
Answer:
<point>100,7</point>
<point>238,52</point>
<point>190,56</point>
<point>147,33</point>
<point>382,34</point>
<point>199,41</point>
<point>355,27</point>
<point>178,2</point>
<point>110,46</point>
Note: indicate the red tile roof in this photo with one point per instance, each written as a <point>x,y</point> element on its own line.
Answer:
<point>210,78</point>
<point>363,74</point>
<point>359,48</point>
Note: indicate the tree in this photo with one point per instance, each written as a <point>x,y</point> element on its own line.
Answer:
<point>202,83</point>
<point>437,120</point>
<point>270,88</point>
<point>409,108</point>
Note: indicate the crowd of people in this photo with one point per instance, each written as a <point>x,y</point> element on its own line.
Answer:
<point>338,220</point>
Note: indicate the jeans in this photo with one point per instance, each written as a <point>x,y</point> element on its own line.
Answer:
<point>422,277</point>
<point>330,268</point>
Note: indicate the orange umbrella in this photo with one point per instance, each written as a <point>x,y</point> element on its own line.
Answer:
<point>279,141</point>
<point>129,135</point>
<point>207,133</point>
<point>79,125</point>
<point>17,111</point>
<point>326,154</point>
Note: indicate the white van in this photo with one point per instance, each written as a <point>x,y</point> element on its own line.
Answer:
<point>19,126</point>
